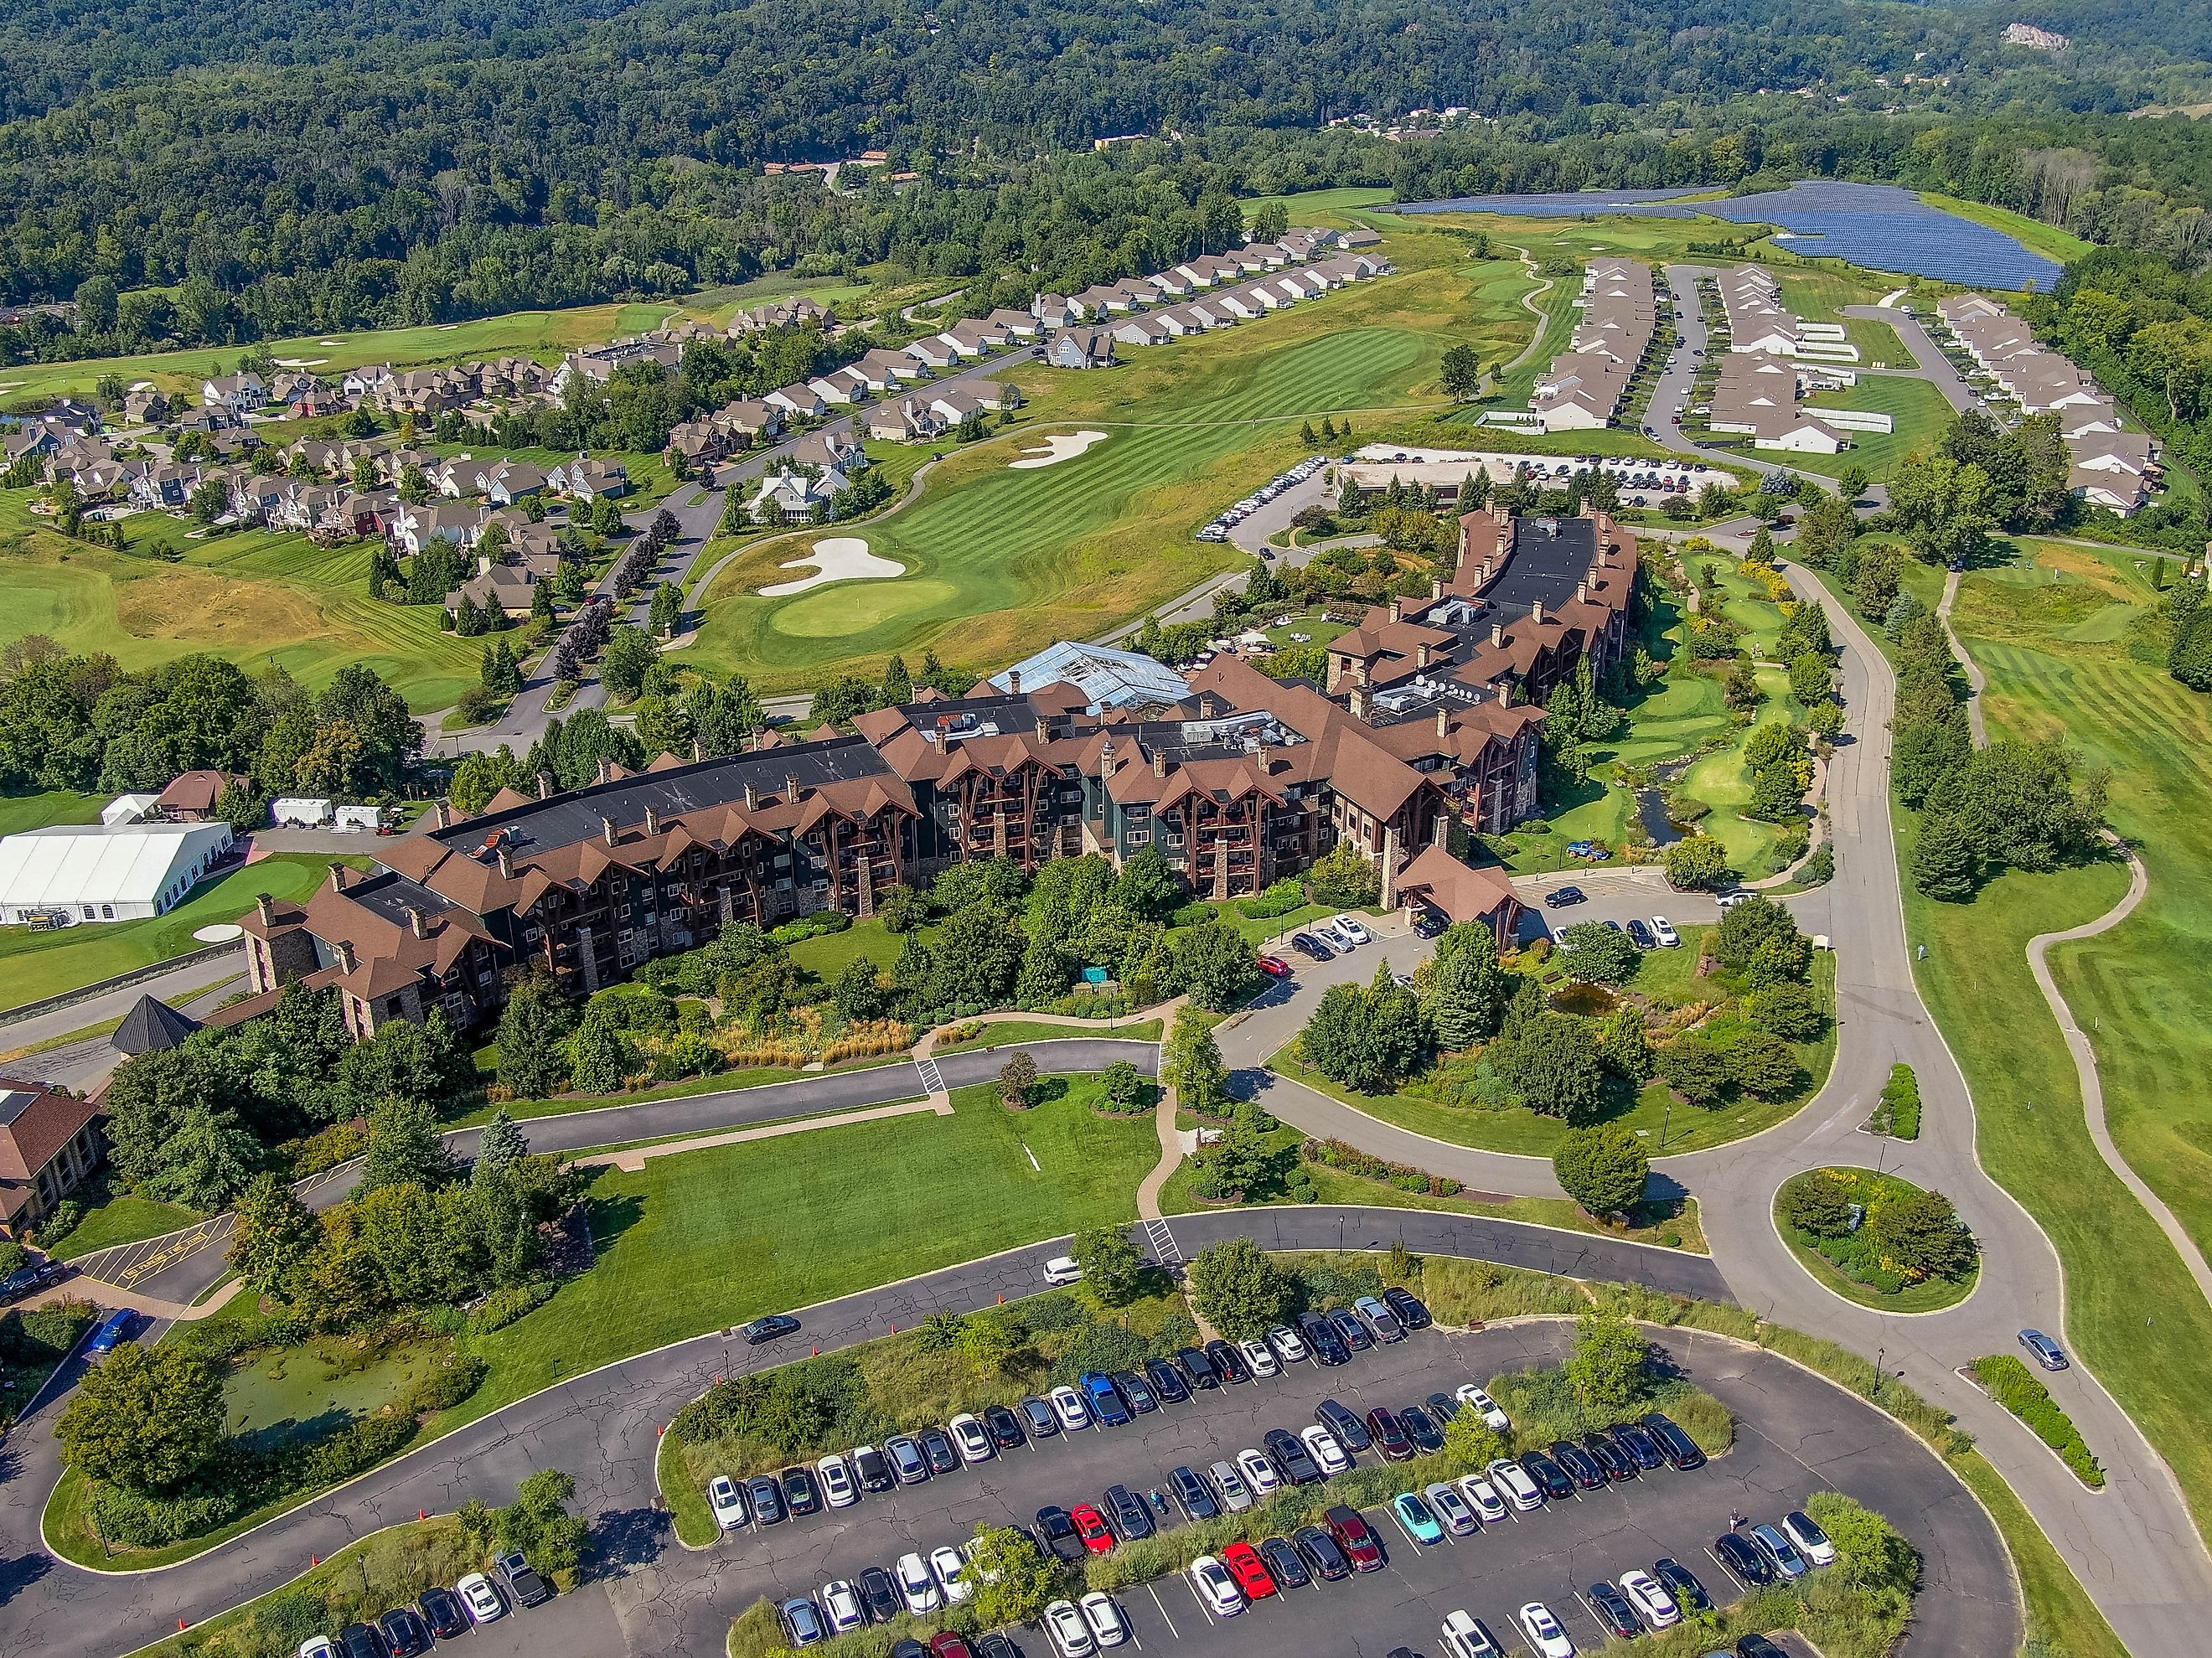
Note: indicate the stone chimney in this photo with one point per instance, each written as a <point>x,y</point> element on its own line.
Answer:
<point>752,796</point>
<point>339,876</point>
<point>442,815</point>
<point>506,863</point>
<point>1206,705</point>
<point>1582,592</point>
<point>934,737</point>
<point>417,923</point>
<point>651,821</point>
<point>698,750</point>
<point>1159,763</point>
<point>1044,730</point>
<point>544,786</point>
<point>1106,762</point>
<point>1435,588</point>
<point>1539,612</point>
<point>607,831</point>
<point>1014,682</point>
<point>1421,655</point>
<point>1498,636</point>
<point>1443,721</point>
<point>347,960</point>
<point>1363,704</point>
<point>606,771</point>
<point>267,906</point>
<point>1397,607</point>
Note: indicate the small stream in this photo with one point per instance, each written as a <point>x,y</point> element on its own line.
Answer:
<point>1652,804</point>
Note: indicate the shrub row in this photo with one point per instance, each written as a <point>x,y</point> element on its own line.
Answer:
<point>1897,1112</point>
<point>2012,1386</point>
<point>1281,899</point>
<point>1337,1154</point>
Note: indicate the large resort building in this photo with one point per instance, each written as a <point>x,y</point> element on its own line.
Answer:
<point>1430,718</point>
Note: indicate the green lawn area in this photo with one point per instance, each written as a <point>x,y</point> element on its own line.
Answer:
<point>708,1239</point>
<point>997,558</point>
<point>2151,1049</point>
<point>2047,239</point>
<point>122,1219</point>
<point>1931,1295</point>
<point>1523,1133</point>
<point>1013,1032</point>
<point>1920,411</point>
<point>42,964</point>
<point>1317,628</point>
<point>826,955</point>
<point>18,813</point>
<point>1820,295</point>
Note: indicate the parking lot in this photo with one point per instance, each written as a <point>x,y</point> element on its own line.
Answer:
<point>1550,1555</point>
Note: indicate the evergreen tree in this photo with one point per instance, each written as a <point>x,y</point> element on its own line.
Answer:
<point>1467,995</point>
<point>1945,864</point>
<point>599,1055</point>
<point>403,1146</point>
<point>273,1237</point>
<point>898,683</point>
<point>499,1148</point>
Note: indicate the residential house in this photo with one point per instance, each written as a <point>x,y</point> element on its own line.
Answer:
<point>412,529</point>
<point>1080,348</point>
<point>50,1142</point>
<point>798,402</point>
<point>239,394</point>
<point>585,479</point>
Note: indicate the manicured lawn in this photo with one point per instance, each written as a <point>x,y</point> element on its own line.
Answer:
<point>18,813</point>
<point>1920,411</point>
<point>2135,989</point>
<point>826,955</point>
<point>1515,1130</point>
<point>1012,1032</point>
<point>998,558</point>
<point>1929,1296</point>
<point>42,964</point>
<point>123,1219</point>
<point>708,1239</point>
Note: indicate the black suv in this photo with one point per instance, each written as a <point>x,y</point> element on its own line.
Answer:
<point>1167,1380</point>
<point>1410,1312</point>
<point>1199,1367</point>
<point>1192,1496</point>
<point>1677,1446</point>
<point>1228,1362</point>
<point>1550,1479</point>
<point>1426,1434</point>
<point>1351,1432</point>
<point>1289,1454</point>
<point>1320,1332</point>
<point>1131,1518</point>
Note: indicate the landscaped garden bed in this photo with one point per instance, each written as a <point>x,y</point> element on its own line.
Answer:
<point>1877,1240</point>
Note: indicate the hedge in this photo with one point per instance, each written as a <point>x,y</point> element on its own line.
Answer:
<point>1337,1154</point>
<point>2011,1385</point>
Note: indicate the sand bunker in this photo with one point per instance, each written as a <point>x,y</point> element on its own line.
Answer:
<point>219,932</point>
<point>1062,445</point>
<point>301,362</point>
<point>840,558</point>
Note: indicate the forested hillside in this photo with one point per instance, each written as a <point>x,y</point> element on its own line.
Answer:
<point>197,173</point>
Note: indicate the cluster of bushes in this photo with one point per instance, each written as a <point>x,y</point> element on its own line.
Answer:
<point>1280,899</point>
<point>1896,1112</point>
<point>2012,1385</point>
<point>32,1340</point>
<point>1337,1154</point>
<point>1877,1229</point>
<point>1765,960</point>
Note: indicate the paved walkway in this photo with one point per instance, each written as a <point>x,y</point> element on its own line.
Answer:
<point>632,1159</point>
<point>1977,681</point>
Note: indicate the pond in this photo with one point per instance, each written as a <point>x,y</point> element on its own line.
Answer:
<point>1658,822</point>
<point>1880,227</point>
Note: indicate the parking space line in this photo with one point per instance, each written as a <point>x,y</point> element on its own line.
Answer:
<point>1151,1588</point>
<point>1728,1571</point>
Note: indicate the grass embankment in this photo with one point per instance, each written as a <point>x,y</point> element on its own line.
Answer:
<point>121,1219</point>
<point>1668,978</point>
<point>2133,989</point>
<point>1838,1268</point>
<point>36,965</point>
<point>996,558</point>
<point>1014,1033</point>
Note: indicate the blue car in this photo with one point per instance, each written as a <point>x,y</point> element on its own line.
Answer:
<point>1417,1518</point>
<point>113,1330</point>
<point>1105,1399</point>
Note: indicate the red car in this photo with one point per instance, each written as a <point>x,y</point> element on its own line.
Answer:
<point>946,1644</point>
<point>1354,1537</point>
<point>1249,1570</point>
<point>1274,967</point>
<point>1090,1526</point>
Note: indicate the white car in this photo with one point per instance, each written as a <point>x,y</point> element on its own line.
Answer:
<point>1466,1639</point>
<point>1062,1270</point>
<point>1070,1634</point>
<point>1326,1451</point>
<point>1648,1596</point>
<point>727,1501</point>
<point>1482,1496</point>
<point>1451,1508</point>
<point>1493,1416</point>
<point>916,1587</point>
<point>950,1570</point>
<point>1730,900</point>
<point>1236,1495</point>
<point>1259,1472</point>
<point>481,1599</point>
<point>1512,1479</point>
<point>1290,1346</point>
<point>968,1434</point>
<point>838,1487</point>
<point>1663,931</point>
<point>1107,1624</point>
<point>1260,1357</point>
<point>1812,1542</point>
<point>1068,1405</point>
<point>317,1646</point>
<point>1216,1590</point>
<point>841,1605</point>
<point>1544,1633</point>
<point>1352,929</point>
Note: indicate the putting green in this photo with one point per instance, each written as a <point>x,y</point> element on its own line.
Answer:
<point>842,612</point>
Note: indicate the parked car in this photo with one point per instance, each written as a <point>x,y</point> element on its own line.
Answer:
<point>1350,1431</point>
<point>1379,1318</point>
<point>1643,1449</point>
<point>1643,936</point>
<point>1228,1362</point>
<point>1410,1311</point>
<point>2045,1352</point>
<point>1426,1433</point>
<point>361,1641</point>
<point>1090,1526</point>
<point>800,1494</point>
<point>1274,967</point>
<point>405,1635</point>
<point>1003,1427</point>
<point>1062,1270</point>
<point>1055,1528</point>
<point>1129,1515</point>
<point>525,1586</point>
<point>1288,1347</point>
<point>1105,1399</point>
<point>1068,1405</point>
<point>1545,1638</point>
<point>1260,1357</point>
<point>837,1481</point>
<point>1614,1611</point>
<point>1043,1421</point>
<point>1742,1558</point>
<point>443,1611</point>
<point>1108,1626</point>
<point>879,1595</point>
<point>480,1598</point>
<point>1167,1380</point>
<point>1260,1473</point>
<point>1388,1433</point>
<point>1801,1529</point>
<point>802,1622</point>
<point>1311,948</point>
<point>1677,1446</point>
<point>950,1567</point>
<point>1217,1590</point>
<point>1781,1553</point>
<point>1448,1505</point>
<point>727,1501</point>
<point>1493,1414</point>
<point>907,1458</point>
<point>1236,1495</point>
<point>1071,1635</point>
<point>1548,1475</point>
<point>1419,1520</point>
<point>841,1606</point>
<point>1292,1457</point>
<point>1664,930</point>
<point>1353,1329</point>
<point>917,1585</point>
<point>1249,1570</point>
<point>1522,1492</point>
<point>937,1446</point>
<point>1318,1549</point>
<point>1285,1564</point>
<point>1355,1537</point>
<point>1611,1460</point>
<point>771,1329</point>
<point>1192,1494</point>
<point>1482,1496</point>
<point>1468,1637</point>
<point>1327,1347</point>
<point>1580,1467</point>
<point>873,1468</point>
<point>1678,1580</point>
<point>969,1438</point>
<point>1199,1367</point>
<point>1134,1394</point>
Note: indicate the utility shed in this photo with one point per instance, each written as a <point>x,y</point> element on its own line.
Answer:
<point>103,872</point>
